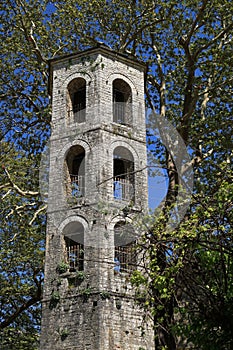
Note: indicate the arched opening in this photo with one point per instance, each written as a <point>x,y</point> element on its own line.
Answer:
<point>122,102</point>
<point>123,174</point>
<point>77,100</point>
<point>125,248</point>
<point>75,172</point>
<point>74,245</point>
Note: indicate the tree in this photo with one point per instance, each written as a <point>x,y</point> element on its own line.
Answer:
<point>22,249</point>
<point>189,273</point>
<point>187,51</point>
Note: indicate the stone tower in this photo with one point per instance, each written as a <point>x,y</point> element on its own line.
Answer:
<point>97,191</point>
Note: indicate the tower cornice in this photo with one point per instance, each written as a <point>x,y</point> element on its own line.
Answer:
<point>102,49</point>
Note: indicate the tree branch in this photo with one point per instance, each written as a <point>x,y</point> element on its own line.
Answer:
<point>32,301</point>
<point>216,38</point>
<point>37,212</point>
<point>17,189</point>
<point>197,19</point>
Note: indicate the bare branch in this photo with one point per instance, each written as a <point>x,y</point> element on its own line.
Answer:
<point>38,52</point>
<point>5,186</point>
<point>19,208</point>
<point>32,301</point>
<point>152,80</point>
<point>197,19</point>
<point>216,38</point>
<point>162,80</point>
<point>37,212</point>
<point>17,189</point>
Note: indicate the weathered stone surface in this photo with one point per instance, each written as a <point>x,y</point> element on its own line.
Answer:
<point>97,312</point>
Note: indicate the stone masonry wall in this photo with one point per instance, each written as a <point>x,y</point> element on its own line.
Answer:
<point>95,309</point>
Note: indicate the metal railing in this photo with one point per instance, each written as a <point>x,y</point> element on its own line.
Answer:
<point>122,113</point>
<point>125,258</point>
<point>75,256</point>
<point>119,113</point>
<point>77,185</point>
<point>123,189</point>
<point>78,113</point>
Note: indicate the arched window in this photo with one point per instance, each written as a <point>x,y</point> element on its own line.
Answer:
<point>75,172</point>
<point>125,249</point>
<point>123,174</point>
<point>77,100</point>
<point>122,102</point>
<point>74,245</point>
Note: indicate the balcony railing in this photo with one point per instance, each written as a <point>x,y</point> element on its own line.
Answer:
<point>123,189</point>
<point>77,186</point>
<point>122,113</point>
<point>125,258</point>
<point>75,256</point>
<point>119,113</point>
<point>78,113</point>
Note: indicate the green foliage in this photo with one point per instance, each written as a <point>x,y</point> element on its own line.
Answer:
<point>27,338</point>
<point>55,296</point>
<point>85,293</point>
<point>190,272</point>
<point>80,275</point>
<point>54,300</point>
<point>64,333</point>
<point>62,267</point>
<point>187,49</point>
<point>22,245</point>
<point>75,279</point>
<point>138,278</point>
<point>104,294</point>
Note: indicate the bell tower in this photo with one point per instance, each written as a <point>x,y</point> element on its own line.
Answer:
<point>97,192</point>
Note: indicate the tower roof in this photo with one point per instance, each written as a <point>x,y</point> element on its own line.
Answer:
<point>100,48</point>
